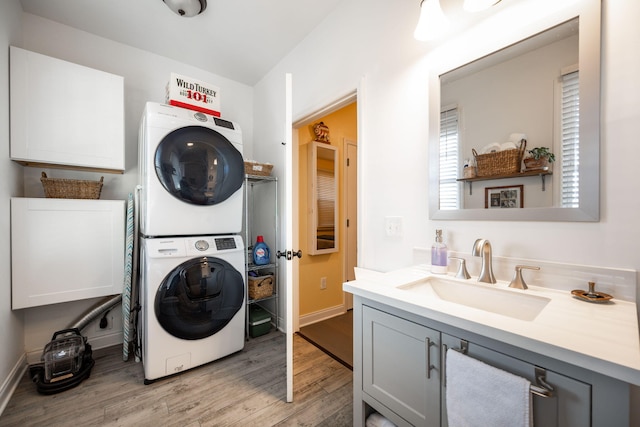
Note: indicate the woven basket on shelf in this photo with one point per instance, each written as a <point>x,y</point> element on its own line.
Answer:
<point>501,162</point>
<point>261,169</point>
<point>57,188</point>
<point>260,287</point>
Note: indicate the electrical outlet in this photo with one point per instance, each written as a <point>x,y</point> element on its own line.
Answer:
<point>323,283</point>
<point>109,326</point>
<point>393,226</point>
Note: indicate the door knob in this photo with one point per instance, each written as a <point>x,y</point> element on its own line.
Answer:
<point>289,254</point>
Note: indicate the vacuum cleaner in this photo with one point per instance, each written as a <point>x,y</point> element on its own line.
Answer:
<point>66,361</point>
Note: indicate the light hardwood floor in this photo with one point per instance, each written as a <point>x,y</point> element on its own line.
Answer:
<point>245,389</point>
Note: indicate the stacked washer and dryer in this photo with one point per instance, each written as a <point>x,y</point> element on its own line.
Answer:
<point>192,258</point>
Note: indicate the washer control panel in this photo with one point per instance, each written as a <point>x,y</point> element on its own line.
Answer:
<point>172,247</point>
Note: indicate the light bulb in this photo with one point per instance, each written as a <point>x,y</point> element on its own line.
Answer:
<point>478,5</point>
<point>432,22</point>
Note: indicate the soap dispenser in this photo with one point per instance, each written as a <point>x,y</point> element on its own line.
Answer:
<point>261,255</point>
<point>439,255</point>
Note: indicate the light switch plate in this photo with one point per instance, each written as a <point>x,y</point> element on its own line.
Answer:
<point>393,226</point>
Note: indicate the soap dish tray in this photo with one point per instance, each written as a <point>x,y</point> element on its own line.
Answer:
<point>598,297</point>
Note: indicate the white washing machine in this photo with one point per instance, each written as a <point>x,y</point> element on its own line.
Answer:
<point>191,173</point>
<point>192,298</point>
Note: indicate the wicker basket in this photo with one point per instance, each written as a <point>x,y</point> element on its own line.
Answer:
<point>254,168</point>
<point>260,287</point>
<point>501,162</point>
<point>57,188</point>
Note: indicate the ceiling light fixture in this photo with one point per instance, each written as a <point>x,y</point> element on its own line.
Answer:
<point>432,22</point>
<point>478,5</point>
<point>187,8</point>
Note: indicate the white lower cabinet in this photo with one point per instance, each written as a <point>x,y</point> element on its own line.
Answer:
<point>65,250</point>
<point>401,373</point>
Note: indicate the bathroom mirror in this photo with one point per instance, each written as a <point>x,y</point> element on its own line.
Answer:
<point>323,207</point>
<point>583,20</point>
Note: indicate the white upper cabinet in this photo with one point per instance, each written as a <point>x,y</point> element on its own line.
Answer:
<point>65,114</point>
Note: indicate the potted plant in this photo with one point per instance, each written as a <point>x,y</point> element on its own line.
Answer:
<point>539,158</point>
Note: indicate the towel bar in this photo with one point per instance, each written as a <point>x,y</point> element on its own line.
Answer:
<point>540,388</point>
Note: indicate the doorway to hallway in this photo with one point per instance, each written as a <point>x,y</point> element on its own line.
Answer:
<point>323,315</point>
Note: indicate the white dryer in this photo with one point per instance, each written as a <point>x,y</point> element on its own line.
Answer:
<point>191,173</point>
<point>192,298</point>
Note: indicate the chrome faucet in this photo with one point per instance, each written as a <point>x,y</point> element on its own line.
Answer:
<point>482,247</point>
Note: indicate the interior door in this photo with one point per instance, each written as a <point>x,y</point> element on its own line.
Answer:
<point>275,146</point>
<point>290,267</point>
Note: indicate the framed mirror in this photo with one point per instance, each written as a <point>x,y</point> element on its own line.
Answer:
<point>323,196</point>
<point>512,90</point>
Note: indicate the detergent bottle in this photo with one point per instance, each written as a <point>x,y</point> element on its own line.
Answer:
<point>261,254</point>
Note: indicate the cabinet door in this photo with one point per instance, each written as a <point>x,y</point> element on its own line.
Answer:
<point>401,366</point>
<point>65,114</point>
<point>65,250</point>
<point>570,405</point>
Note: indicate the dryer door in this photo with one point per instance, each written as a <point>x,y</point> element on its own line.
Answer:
<point>199,165</point>
<point>199,297</point>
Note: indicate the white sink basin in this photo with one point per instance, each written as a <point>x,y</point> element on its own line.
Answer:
<point>513,303</point>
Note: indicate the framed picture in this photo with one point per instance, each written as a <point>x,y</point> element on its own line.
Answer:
<point>510,196</point>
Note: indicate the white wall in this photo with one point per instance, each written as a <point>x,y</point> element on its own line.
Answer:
<point>394,136</point>
<point>145,77</point>
<point>369,40</point>
<point>12,336</point>
<point>373,40</point>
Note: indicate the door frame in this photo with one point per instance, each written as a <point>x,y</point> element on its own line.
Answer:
<point>305,120</point>
<point>349,243</point>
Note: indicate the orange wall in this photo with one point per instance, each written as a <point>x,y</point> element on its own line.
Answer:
<point>342,124</point>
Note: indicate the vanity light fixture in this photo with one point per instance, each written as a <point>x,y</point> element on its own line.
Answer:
<point>432,21</point>
<point>187,8</point>
<point>478,5</point>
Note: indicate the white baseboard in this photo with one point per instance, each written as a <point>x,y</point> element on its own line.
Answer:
<point>12,381</point>
<point>321,315</point>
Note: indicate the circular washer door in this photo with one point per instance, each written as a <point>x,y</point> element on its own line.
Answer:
<point>199,165</point>
<point>199,297</point>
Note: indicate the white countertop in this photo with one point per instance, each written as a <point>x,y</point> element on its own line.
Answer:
<point>599,337</point>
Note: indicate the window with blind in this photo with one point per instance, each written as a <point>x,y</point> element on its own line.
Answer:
<point>449,154</point>
<point>570,140</point>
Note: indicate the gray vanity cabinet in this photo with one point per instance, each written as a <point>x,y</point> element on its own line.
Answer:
<point>400,371</point>
<point>401,366</point>
<point>569,405</point>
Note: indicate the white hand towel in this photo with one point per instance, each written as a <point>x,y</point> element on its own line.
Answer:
<point>480,395</point>
<point>490,148</point>
<point>377,420</point>
<point>517,137</point>
<point>508,146</point>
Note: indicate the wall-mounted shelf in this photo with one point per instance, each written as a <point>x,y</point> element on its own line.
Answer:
<point>541,173</point>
